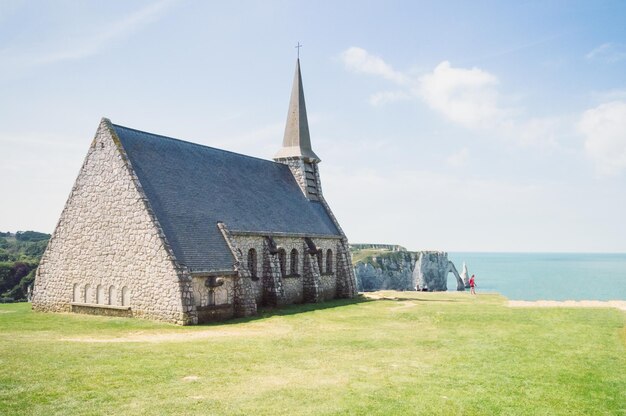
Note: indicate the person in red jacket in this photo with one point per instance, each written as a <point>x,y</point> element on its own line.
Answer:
<point>472,283</point>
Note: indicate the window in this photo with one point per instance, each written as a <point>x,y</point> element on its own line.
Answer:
<point>329,261</point>
<point>100,295</point>
<point>76,293</point>
<point>282,259</point>
<point>294,262</point>
<point>125,296</point>
<point>112,296</point>
<point>252,263</point>
<point>319,260</point>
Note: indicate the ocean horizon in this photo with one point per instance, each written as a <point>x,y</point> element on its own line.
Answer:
<point>545,276</point>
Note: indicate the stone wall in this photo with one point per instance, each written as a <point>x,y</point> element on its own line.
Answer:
<point>292,284</point>
<point>296,165</point>
<point>293,289</point>
<point>107,237</point>
<point>328,287</point>
<point>222,295</point>
<point>346,286</point>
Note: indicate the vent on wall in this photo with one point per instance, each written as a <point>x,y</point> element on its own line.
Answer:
<point>311,181</point>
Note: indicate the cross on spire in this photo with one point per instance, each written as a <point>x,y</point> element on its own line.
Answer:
<point>298,46</point>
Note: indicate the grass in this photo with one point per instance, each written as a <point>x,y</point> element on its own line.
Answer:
<point>360,255</point>
<point>420,353</point>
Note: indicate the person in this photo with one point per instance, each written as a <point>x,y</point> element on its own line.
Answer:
<point>472,283</point>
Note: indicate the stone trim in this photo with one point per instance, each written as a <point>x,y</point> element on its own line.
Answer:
<point>94,309</point>
<point>218,273</point>
<point>101,306</point>
<point>281,234</point>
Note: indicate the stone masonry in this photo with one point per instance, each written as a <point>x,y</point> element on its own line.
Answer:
<point>107,210</point>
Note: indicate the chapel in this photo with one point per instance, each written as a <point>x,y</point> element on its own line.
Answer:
<point>169,230</point>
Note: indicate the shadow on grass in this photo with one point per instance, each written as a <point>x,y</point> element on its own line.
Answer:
<point>267,312</point>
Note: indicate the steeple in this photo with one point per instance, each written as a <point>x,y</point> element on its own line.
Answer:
<point>297,141</point>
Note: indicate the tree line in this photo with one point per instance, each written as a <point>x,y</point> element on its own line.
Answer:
<point>19,257</point>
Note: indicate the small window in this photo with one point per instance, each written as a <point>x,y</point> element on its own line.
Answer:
<point>329,261</point>
<point>112,296</point>
<point>125,296</point>
<point>294,262</point>
<point>282,259</point>
<point>252,263</point>
<point>76,293</point>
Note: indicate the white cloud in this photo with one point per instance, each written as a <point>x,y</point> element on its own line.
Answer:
<point>604,128</point>
<point>359,60</point>
<point>458,159</point>
<point>20,57</point>
<point>465,96</point>
<point>608,52</point>
<point>381,98</point>
<point>422,209</point>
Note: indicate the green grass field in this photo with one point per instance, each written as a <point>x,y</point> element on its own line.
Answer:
<point>421,353</point>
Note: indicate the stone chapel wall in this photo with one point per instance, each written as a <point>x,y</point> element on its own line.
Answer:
<point>292,284</point>
<point>107,249</point>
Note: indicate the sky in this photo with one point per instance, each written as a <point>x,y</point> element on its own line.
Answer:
<point>443,125</point>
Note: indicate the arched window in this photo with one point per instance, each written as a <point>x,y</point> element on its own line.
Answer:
<point>76,293</point>
<point>329,261</point>
<point>319,260</point>
<point>282,259</point>
<point>252,262</point>
<point>88,294</point>
<point>100,295</point>
<point>294,262</point>
<point>112,296</point>
<point>125,296</point>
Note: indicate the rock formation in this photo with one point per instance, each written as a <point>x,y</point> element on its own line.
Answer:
<point>404,270</point>
<point>386,271</point>
<point>431,272</point>
<point>465,276</point>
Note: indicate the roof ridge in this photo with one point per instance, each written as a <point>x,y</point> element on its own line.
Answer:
<point>198,144</point>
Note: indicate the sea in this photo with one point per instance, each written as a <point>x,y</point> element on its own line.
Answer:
<point>546,276</point>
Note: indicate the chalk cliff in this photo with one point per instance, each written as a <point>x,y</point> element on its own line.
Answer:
<point>387,270</point>
<point>378,268</point>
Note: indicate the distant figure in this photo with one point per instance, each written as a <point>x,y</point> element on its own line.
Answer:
<point>472,283</point>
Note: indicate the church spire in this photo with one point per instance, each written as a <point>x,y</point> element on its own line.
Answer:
<point>297,141</point>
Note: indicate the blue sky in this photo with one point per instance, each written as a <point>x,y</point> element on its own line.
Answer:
<point>459,126</point>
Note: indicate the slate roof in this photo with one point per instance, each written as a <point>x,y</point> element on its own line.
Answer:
<point>193,187</point>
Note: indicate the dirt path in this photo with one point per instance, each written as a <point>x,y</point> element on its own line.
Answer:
<point>187,335</point>
<point>619,304</point>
